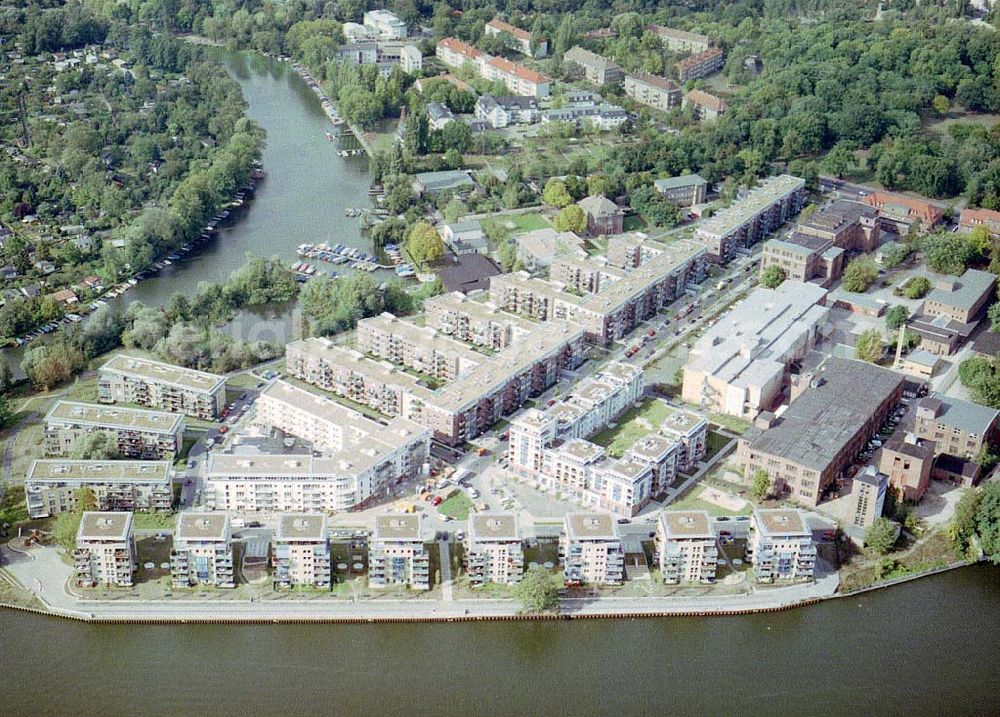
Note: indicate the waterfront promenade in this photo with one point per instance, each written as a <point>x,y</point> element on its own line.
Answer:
<point>44,573</point>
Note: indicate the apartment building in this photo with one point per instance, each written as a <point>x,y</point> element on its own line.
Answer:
<point>868,491</point>
<point>499,112</point>
<point>459,410</point>
<point>105,551</point>
<point>703,105</point>
<point>520,80</point>
<point>591,550</point>
<point>957,428</point>
<point>749,219</point>
<point>411,59</point>
<point>616,310</point>
<point>596,69</point>
<point>851,226</point>
<point>354,458</point>
<point>138,433</point>
<point>385,25</point>
<point>397,554</point>
<point>902,213</point>
<point>455,53</point>
<point>420,348</point>
<point>685,547</point>
<point>301,551</point>
<point>536,249</point>
<point>438,115</point>
<point>604,217</point>
<point>582,274</point>
<point>653,91</point>
<point>824,429</point>
<point>51,485</point>
<point>780,545</point>
<point>475,322</point>
<point>684,191</point>
<point>516,38</point>
<point>203,551</point>
<point>632,250</point>
<point>690,432</point>
<point>681,40</point>
<point>738,367</point>
<point>907,460</point>
<point>701,64</point>
<point>602,116</point>
<point>972,218</point>
<point>962,299</point>
<point>493,549</point>
<point>154,384</point>
<point>804,257</point>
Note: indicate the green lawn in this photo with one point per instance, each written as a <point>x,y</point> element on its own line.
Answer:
<point>715,442</point>
<point>730,423</point>
<point>155,521</point>
<point>244,380</point>
<point>458,506</point>
<point>633,223</point>
<point>692,501</point>
<point>633,425</point>
<point>527,222</point>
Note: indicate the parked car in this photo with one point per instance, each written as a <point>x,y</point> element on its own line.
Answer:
<point>223,429</point>
<point>438,500</point>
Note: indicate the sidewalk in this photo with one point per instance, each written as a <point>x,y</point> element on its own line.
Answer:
<point>43,572</point>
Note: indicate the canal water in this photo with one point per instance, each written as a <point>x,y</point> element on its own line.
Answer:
<point>302,200</point>
<point>930,647</point>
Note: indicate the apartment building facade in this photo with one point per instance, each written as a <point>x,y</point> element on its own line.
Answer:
<point>596,69</point>
<point>474,322</point>
<point>591,550</point>
<point>907,460</point>
<point>301,551</point>
<point>51,485</point>
<point>752,217</point>
<point>155,384</point>
<point>701,64</point>
<point>684,191</point>
<point>781,546</point>
<point>704,106</point>
<point>972,218</point>
<point>397,554</point>
<point>685,548</point>
<point>499,112</point>
<point>823,429</point>
<point>517,39</point>
<point>494,551</point>
<point>962,299</point>
<point>202,553</point>
<point>653,91</point>
<point>138,434</point>
<point>385,25</point>
<point>958,428</point>
<point>105,553</point>
<point>868,491</point>
<point>681,40</point>
<point>420,348</point>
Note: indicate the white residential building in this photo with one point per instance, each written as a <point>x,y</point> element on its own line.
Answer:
<point>51,485</point>
<point>410,59</point>
<point>739,365</point>
<point>155,384</point>
<point>781,545</point>
<point>493,550</point>
<point>685,547</point>
<point>137,433</point>
<point>203,551</point>
<point>105,551</point>
<point>397,554</point>
<point>591,550</point>
<point>386,25</point>
<point>301,551</point>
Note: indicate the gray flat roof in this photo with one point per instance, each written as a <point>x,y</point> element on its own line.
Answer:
<point>159,372</point>
<point>591,526</point>
<point>685,524</point>
<point>104,416</point>
<point>767,193</point>
<point>964,415</point>
<point>781,522</point>
<point>104,526</point>
<point>499,527</point>
<point>400,527</point>
<point>838,214</point>
<point>969,289</point>
<point>60,470</point>
<point>685,180</point>
<point>307,527</point>
<point>202,526</point>
<point>819,423</point>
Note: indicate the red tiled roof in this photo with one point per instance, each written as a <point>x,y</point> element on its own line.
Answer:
<point>655,80</point>
<point>975,217</point>
<point>706,100</point>
<point>928,213</point>
<point>502,26</point>
<point>462,48</point>
<point>697,59</point>
<point>512,68</point>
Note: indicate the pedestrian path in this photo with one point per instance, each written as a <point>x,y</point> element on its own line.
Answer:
<point>446,586</point>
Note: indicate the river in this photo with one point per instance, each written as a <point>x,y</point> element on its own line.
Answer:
<point>927,647</point>
<point>302,199</point>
